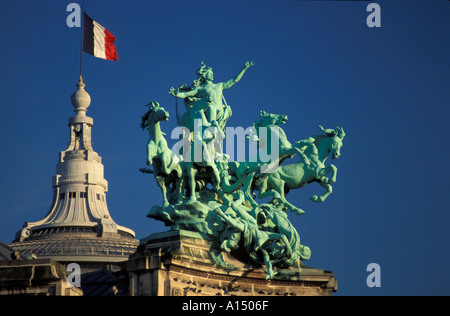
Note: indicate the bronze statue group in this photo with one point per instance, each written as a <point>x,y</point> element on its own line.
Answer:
<point>205,192</point>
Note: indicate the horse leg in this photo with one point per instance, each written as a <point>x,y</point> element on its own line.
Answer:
<point>179,184</point>
<point>247,187</point>
<point>263,193</point>
<point>178,191</point>
<point>216,185</point>
<point>325,171</point>
<point>329,190</point>
<point>291,207</point>
<point>334,170</point>
<point>191,173</point>
<point>165,161</point>
<point>277,193</point>
<point>182,188</point>
<point>162,184</point>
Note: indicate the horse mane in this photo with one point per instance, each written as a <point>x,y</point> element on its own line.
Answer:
<point>320,137</point>
<point>327,133</point>
<point>144,119</point>
<point>151,107</point>
<point>258,123</point>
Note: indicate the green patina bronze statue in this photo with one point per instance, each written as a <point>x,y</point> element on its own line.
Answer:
<point>207,192</point>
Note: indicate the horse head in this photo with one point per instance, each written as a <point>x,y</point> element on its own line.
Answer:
<point>270,119</point>
<point>155,114</point>
<point>335,140</point>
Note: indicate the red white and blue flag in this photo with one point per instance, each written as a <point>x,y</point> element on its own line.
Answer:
<point>97,40</point>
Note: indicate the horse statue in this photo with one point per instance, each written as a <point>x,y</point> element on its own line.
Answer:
<point>167,169</point>
<point>297,175</point>
<point>246,172</point>
<point>273,122</point>
<point>205,192</point>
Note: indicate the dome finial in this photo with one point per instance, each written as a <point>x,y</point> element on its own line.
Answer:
<point>80,98</point>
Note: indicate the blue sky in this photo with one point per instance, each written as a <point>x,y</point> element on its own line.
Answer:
<point>315,61</point>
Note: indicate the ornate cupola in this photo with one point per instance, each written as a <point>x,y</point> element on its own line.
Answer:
<point>78,227</point>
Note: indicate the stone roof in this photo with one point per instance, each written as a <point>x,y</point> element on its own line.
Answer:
<point>5,252</point>
<point>78,247</point>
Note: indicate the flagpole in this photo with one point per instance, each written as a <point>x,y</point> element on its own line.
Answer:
<point>81,37</point>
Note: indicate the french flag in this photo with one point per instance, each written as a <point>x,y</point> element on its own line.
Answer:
<point>97,40</point>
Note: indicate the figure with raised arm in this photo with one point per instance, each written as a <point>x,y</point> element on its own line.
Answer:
<point>208,95</point>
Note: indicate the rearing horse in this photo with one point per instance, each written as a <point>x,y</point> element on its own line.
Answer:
<point>245,171</point>
<point>166,165</point>
<point>294,176</point>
